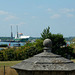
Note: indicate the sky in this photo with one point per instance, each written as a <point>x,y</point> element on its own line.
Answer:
<point>33,16</point>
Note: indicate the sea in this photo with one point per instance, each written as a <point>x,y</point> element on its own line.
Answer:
<point>12,43</point>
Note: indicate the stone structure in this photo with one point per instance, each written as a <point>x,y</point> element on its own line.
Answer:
<point>46,63</point>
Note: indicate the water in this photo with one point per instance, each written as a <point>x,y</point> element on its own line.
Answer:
<point>12,43</point>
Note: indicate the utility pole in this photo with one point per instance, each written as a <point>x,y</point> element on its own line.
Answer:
<point>4,69</point>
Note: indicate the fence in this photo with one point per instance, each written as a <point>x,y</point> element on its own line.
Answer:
<point>6,70</point>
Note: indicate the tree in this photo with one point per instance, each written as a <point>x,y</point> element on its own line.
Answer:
<point>57,42</point>
<point>57,39</point>
<point>46,33</point>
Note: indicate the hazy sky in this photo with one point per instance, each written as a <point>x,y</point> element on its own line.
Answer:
<point>32,16</point>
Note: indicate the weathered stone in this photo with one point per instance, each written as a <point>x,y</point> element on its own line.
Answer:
<point>46,63</point>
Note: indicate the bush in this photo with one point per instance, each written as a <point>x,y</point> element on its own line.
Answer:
<point>3,45</point>
<point>20,53</point>
<point>57,42</point>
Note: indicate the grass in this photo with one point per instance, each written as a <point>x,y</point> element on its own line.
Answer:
<point>73,60</point>
<point>8,70</point>
<point>8,63</point>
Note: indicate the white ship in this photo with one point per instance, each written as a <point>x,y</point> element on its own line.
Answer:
<point>20,38</point>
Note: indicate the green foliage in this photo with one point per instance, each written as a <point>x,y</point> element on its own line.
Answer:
<point>39,45</point>
<point>3,45</point>
<point>21,53</point>
<point>57,42</point>
<point>73,46</point>
<point>1,55</point>
<point>46,33</point>
<point>73,40</point>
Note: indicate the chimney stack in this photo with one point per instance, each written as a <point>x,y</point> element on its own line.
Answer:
<point>11,32</point>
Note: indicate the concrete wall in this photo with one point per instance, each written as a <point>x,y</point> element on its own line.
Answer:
<point>21,72</point>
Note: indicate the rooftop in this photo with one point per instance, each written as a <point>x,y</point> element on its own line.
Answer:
<point>46,61</point>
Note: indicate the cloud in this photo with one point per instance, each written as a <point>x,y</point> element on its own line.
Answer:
<point>70,15</point>
<point>63,12</point>
<point>21,23</point>
<point>40,6</point>
<point>12,24</point>
<point>55,16</point>
<point>49,10</point>
<point>9,17</point>
<point>33,17</point>
<point>3,12</point>
<point>26,13</point>
<point>67,10</point>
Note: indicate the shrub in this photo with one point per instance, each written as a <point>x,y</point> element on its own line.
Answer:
<point>3,45</point>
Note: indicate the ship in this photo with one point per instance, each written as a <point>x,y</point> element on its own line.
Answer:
<point>21,38</point>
